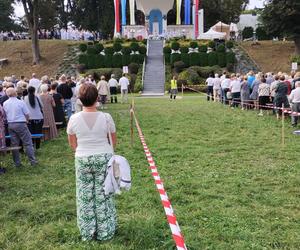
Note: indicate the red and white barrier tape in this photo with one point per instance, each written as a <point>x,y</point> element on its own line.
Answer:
<point>174,226</point>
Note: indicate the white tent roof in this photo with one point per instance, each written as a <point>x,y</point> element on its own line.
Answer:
<point>220,24</point>
<point>233,27</point>
<point>211,35</point>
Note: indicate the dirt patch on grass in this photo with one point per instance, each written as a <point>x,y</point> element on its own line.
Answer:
<point>271,56</point>
<point>19,56</point>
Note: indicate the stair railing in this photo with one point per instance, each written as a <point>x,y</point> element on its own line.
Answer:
<point>144,65</point>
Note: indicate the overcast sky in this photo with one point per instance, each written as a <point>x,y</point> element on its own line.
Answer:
<point>253,3</point>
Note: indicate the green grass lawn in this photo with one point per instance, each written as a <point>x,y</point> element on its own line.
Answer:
<point>231,184</point>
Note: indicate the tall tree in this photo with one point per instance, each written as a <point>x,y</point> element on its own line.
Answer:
<point>6,13</point>
<point>31,8</point>
<point>281,17</point>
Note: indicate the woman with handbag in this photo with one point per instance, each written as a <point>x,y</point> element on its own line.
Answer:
<point>88,133</point>
<point>36,117</point>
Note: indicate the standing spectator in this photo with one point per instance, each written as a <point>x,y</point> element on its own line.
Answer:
<point>22,82</point>
<point>34,82</point>
<point>58,110</point>
<point>91,80</point>
<point>1,91</point>
<point>269,78</point>
<point>113,83</point>
<point>263,95</point>
<point>124,83</point>
<point>17,116</point>
<point>48,104</point>
<point>225,86</point>
<point>280,98</point>
<point>72,83</point>
<point>235,88</point>
<point>66,91</point>
<point>295,100</point>
<point>245,93</point>
<point>36,118</point>
<point>273,87</point>
<point>88,133</point>
<point>210,87</point>
<point>103,91</point>
<point>2,127</point>
<point>5,97</point>
<point>254,92</point>
<point>217,88</point>
<point>174,89</point>
<point>251,79</point>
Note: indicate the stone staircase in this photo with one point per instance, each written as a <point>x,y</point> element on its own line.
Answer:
<point>69,62</point>
<point>244,62</point>
<point>154,75</point>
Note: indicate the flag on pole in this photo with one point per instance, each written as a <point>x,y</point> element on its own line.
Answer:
<point>117,17</point>
<point>132,11</point>
<point>187,12</point>
<point>196,19</point>
<point>178,12</point>
<point>123,3</point>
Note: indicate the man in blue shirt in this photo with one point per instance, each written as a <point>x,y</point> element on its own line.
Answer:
<point>251,78</point>
<point>17,115</point>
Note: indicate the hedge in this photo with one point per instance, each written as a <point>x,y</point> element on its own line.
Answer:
<point>83,47</point>
<point>212,44</point>
<point>109,51</point>
<point>175,46</point>
<point>133,68</point>
<point>126,50</point>
<point>143,50</point>
<point>175,58</point>
<point>203,59</point>
<point>117,46</point>
<point>98,47</point>
<point>179,66</point>
<point>194,59</point>
<point>230,58</point>
<point>91,50</point>
<point>184,49</point>
<point>212,59</point>
<point>126,60</point>
<point>186,59</point>
<point>117,61</point>
<point>167,58</point>
<point>167,50</point>
<point>108,61</point>
<point>222,59</point>
<point>194,45</point>
<point>83,59</point>
<point>203,48</point>
<point>221,48</point>
<point>134,46</point>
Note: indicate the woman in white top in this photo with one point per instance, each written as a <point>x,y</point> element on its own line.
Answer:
<point>217,88</point>
<point>88,136</point>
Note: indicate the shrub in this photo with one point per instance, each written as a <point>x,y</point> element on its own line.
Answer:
<point>229,44</point>
<point>261,34</point>
<point>194,45</point>
<point>117,61</point>
<point>108,61</point>
<point>204,72</point>
<point>175,58</point>
<point>186,59</point>
<point>194,59</point>
<point>117,72</point>
<point>222,60</point>
<point>212,44</point>
<point>167,50</point>
<point>99,47</point>
<point>230,58</point>
<point>179,66</point>
<point>167,58</point>
<point>126,51</point>
<point>175,46</point>
<point>184,49</point>
<point>118,40</point>
<point>133,68</point>
<point>134,46</point>
<point>212,59</point>
<point>83,59</point>
<point>99,61</point>
<point>125,60</point>
<point>247,32</point>
<point>193,77</point>
<point>295,58</point>
<point>90,43</point>
<point>134,58</point>
<point>117,47</point>
<point>109,51</point>
<point>83,47</point>
<point>81,68</point>
<point>203,59</point>
<point>143,50</point>
<point>91,50</point>
<point>221,48</point>
<point>203,48</point>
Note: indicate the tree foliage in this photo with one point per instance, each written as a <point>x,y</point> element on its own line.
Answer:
<point>6,13</point>
<point>281,18</point>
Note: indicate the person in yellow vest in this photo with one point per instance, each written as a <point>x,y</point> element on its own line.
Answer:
<point>174,90</point>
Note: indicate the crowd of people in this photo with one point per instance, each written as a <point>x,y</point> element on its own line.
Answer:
<point>259,91</point>
<point>45,105</point>
<point>61,34</point>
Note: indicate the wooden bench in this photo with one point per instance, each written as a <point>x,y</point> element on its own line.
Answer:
<point>3,61</point>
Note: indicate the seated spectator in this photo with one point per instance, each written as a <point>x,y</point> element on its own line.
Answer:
<point>17,116</point>
<point>49,120</point>
<point>36,118</point>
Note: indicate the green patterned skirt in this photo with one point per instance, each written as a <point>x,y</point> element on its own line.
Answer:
<point>96,212</point>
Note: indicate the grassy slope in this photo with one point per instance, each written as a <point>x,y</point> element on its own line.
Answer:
<point>52,52</point>
<point>271,56</point>
<point>231,185</point>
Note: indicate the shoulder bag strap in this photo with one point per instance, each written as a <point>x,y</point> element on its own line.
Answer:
<point>38,100</point>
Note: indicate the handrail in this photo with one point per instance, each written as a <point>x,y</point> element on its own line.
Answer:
<point>144,65</point>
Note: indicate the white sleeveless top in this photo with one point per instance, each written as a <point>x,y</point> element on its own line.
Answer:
<point>91,130</point>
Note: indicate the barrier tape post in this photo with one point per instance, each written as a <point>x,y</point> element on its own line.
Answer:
<point>282,129</point>
<point>131,123</point>
<point>174,226</point>
<point>182,90</point>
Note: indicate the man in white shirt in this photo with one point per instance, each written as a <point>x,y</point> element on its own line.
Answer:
<point>225,86</point>
<point>124,83</point>
<point>235,87</point>
<point>217,88</point>
<point>210,86</point>
<point>34,82</point>
<point>17,117</point>
<point>295,100</point>
<point>113,83</point>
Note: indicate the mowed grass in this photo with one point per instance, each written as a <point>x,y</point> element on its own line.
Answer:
<point>230,182</point>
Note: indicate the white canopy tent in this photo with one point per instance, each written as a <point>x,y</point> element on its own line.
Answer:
<point>211,35</point>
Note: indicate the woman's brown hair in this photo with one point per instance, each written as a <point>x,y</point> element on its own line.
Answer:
<point>88,94</point>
